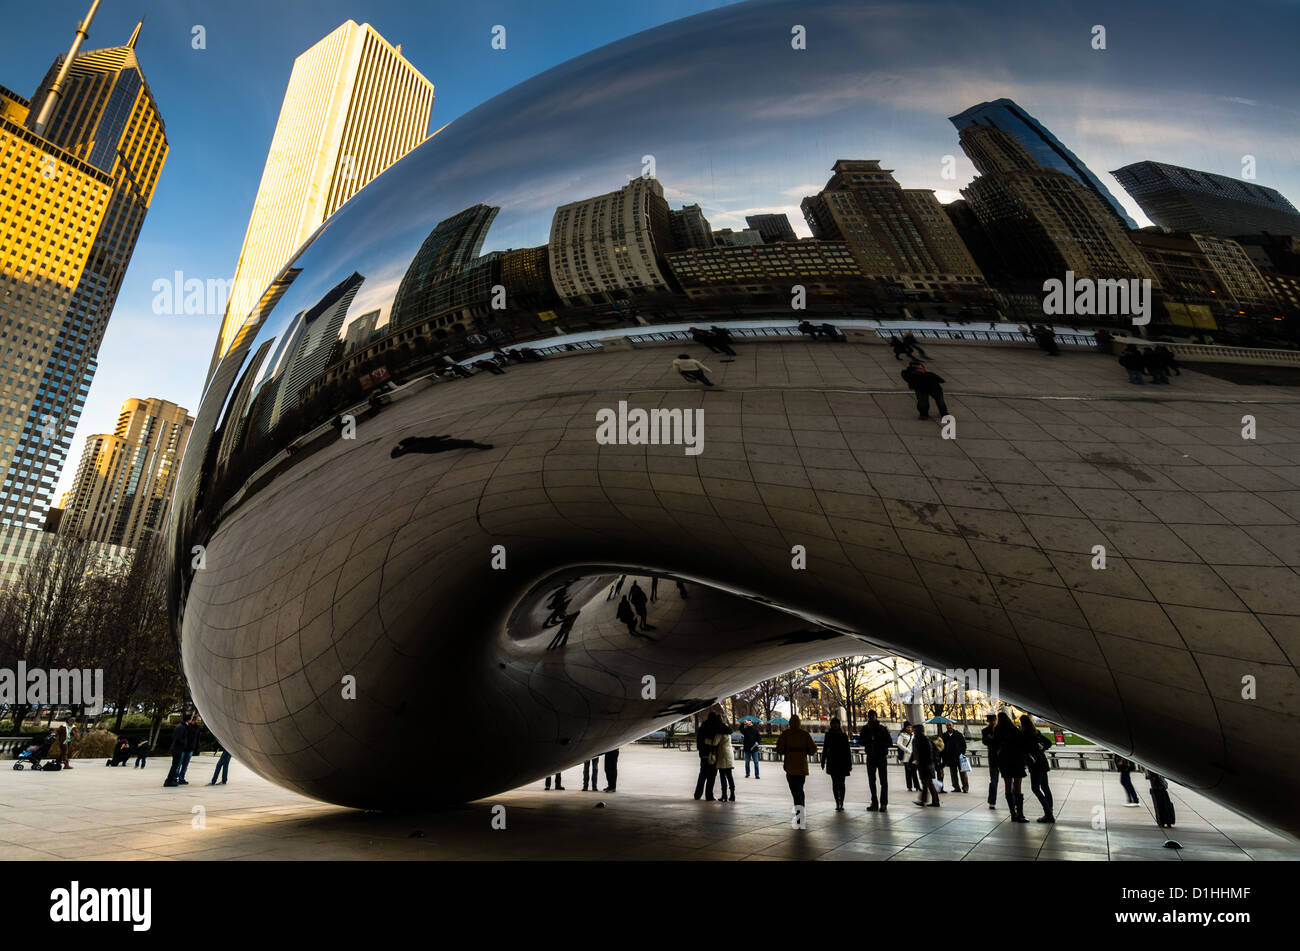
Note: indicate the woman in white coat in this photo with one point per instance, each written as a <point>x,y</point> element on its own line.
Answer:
<point>725,761</point>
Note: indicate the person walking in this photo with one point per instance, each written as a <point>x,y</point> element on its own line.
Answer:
<point>591,767</point>
<point>725,761</point>
<point>876,743</point>
<point>954,748</point>
<point>986,737</point>
<point>692,369</point>
<point>223,764</point>
<point>1036,746</point>
<point>926,385</point>
<point>796,745</point>
<point>705,746</point>
<point>905,740</point>
<point>180,741</point>
<point>923,755</point>
<point>910,344</point>
<point>636,594</point>
<point>837,760</point>
<point>1126,767</point>
<point>752,742</point>
<point>611,771</point>
<point>1011,763</point>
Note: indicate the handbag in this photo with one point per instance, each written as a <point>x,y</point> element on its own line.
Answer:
<point>963,763</point>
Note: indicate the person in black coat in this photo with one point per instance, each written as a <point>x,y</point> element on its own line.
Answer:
<point>923,757</point>
<point>837,760</point>
<point>180,741</point>
<point>708,774</point>
<point>954,745</point>
<point>926,385</point>
<point>992,747</point>
<point>141,754</point>
<point>636,594</point>
<point>192,732</point>
<point>121,752</point>
<point>876,742</point>
<point>1011,763</point>
<point>1036,746</point>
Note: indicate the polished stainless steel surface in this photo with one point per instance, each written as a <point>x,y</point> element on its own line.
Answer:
<point>344,602</point>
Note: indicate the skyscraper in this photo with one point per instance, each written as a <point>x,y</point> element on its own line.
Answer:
<point>1045,148</point>
<point>354,106</point>
<point>1183,199</point>
<point>898,234</point>
<point>125,480</point>
<point>1043,222</point>
<point>93,116</point>
<point>690,229</point>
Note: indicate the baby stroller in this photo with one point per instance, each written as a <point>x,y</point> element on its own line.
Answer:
<point>31,757</point>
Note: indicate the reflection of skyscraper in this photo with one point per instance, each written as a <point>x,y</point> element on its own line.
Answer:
<point>1183,199</point>
<point>605,246</point>
<point>898,234</point>
<point>359,331</point>
<point>125,480</point>
<point>430,281</point>
<point>354,106</point>
<point>1043,222</point>
<point>313,340</point>
<point>1045,148</point>
<point>773,228</point>
<point>690,229</point>
<point>103,113</point>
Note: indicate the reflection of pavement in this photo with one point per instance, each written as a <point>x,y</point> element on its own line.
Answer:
<point>966,553</point>
<point>99,813</point>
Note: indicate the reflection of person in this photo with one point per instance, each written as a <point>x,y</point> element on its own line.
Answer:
<point>926,385</point>
<point>692,369</point>
<point>431,444</point>
<point>636,594</point>
<point>625,614</point>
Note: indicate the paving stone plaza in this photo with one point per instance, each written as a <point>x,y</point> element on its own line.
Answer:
<point>97,813</point>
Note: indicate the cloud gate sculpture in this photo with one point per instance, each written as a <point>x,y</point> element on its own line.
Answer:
<point>344,583</point>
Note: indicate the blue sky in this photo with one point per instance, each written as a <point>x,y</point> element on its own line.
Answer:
<point>1198,84</point>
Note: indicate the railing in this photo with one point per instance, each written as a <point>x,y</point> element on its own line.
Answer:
<point>662,336</point>
<point>999,336</point>
<point>10,745</point>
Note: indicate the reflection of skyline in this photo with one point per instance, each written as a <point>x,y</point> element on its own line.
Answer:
<point>645,96</point>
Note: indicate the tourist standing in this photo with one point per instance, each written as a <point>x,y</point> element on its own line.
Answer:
<point>141,754</point>
<point>557,783</point>
<point>591,767</point>
<point>991,746</point>
<point>725,761</point>
<point>954,747</point>
<point>223,764</point>
<point>705,743</point>
<point>1126,767</point>
<point>752,740</point>
<point>837,760</point>
<point>179,742</point>
<point>876,743</point>
<point>1036,747</point>
<point>636,594</point>
<point>796,745</point>
<point>611,771</point>
<point>192,731</point>
<point>1011,763</point>
<point>926,385</point>
<point>905,740</point>
<point>692,369</point>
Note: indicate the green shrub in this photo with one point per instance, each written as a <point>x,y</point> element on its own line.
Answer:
<point>97,744</point>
